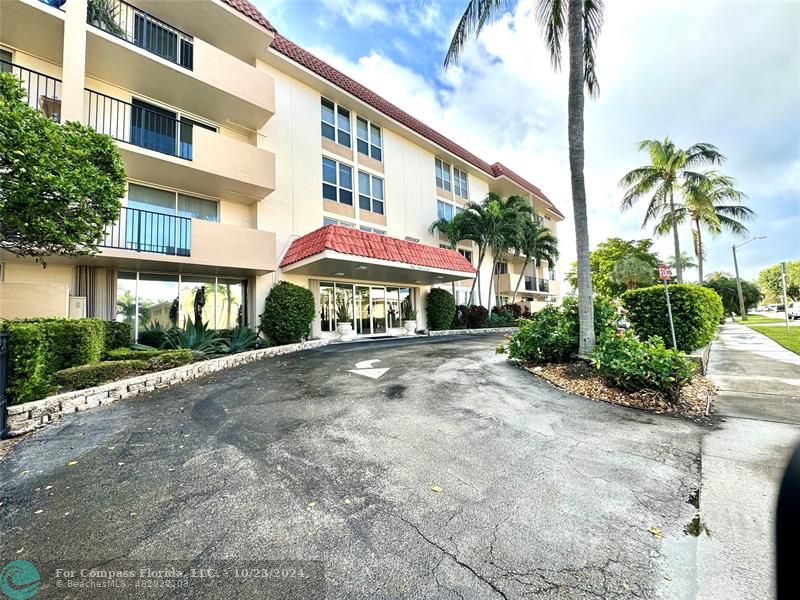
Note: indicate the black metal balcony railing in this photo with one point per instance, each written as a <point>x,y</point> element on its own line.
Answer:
<point>42,92</point>
<point>140,29</point>
<point>139,126</point>
<point>147,231</point>
<point>544,285</point>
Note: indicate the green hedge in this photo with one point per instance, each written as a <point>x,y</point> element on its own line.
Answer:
<point>696,312</point>
<point>634,365</point>
<point>440,308</point>
<point>118,335</point>
<point>86,376</point>
<point>130,354</point>
<point>288,312</point>
<point>40,347</point>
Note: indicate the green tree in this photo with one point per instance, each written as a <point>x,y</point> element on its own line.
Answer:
<point>725,286</point>
<point>583,20</point>
<point>60,185</point>
<point>669,170</point>
<point>534,243</point>
<point>631,272</point>
<point>769,280</point>
<point>607,254</point>
<point>455,231</point>
<point>710,202</point>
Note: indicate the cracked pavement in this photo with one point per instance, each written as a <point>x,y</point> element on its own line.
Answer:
<point>294,458</point>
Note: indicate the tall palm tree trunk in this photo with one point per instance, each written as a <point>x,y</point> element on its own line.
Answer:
<point>676,239</point>
<point>519,281</point>
<point>477,279</point>
<point>576,158</point>
<point>492,279</point>
<point>699,252</point>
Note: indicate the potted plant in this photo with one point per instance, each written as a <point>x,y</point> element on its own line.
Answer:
<point>104,14</point>
<point>344,323</point>
<point>409,316</point>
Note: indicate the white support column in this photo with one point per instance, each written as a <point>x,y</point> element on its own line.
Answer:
<point>74,61</point>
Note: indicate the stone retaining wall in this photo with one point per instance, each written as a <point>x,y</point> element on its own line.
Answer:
<point>472,331</point>
<point>26,417</point>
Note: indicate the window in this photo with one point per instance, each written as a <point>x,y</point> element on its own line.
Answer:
<point>337,181</point>
<point>460,185</point>
<point>370,192</point>
<point>442,175</point>
<point>501,300</point>
<point>466,254</point>
<point>335,122</point>
<point>444,210</point>
<point>372,230</point>
<point>329,221</point>
<point>167,202</point>
<point>369,140</point>
<point>501,268</point>
<point>552,274</point>
<point>539,220</point>
<point>5,60</point>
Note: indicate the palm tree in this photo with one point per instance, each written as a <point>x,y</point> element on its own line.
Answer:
<point>515,214</point>
<point>535,243</point>
<point>669,170</point>
<point>687,262</point>
<point>455,231</point>
<point>481,225</point>
<point>632,272</point>
<point>711,202</point>
<point>583,19</point>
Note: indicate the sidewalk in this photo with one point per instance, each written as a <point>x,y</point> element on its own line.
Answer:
<point>743,462</point>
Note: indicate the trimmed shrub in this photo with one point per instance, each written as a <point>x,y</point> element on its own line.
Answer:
<point>73,342</point>
<point>288,312</point>
<point>130,354</point>
<point>501,318</point>
<point>548,336</point>
<point>153,335</point>
<point>605,314</point>
<point>118,335</point>
<point>440,308</point>
<point>516,310</point>
<point>696,312</point>
<point>28,375</point>
<point>169,359</point>
<point>634,365</point>
<point>470,317</point>
<point>86,376</point>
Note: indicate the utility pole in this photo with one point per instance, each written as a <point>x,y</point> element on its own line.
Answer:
<point>742,310</point>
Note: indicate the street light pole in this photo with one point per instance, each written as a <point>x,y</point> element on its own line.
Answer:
<point>742,311</point>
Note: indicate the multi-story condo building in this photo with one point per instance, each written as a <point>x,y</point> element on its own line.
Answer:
<point>249,161</point>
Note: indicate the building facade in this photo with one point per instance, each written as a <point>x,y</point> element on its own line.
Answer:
<point>249,161</point>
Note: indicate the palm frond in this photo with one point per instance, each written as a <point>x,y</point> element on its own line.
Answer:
<point>551,16</point>
<point>476,16</point>
<point>592,24</point>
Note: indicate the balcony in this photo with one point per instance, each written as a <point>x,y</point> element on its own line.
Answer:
<point>146,239</point>
<point>132,49</point>
<point>35,26</point>
<point>42,92</point>
<point>544,285</point>
<point>180,153</point>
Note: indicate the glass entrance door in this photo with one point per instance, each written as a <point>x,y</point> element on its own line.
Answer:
<point>363,312</point>
<point>378,310</point>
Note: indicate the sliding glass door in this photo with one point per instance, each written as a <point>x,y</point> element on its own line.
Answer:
<point>375,309</point>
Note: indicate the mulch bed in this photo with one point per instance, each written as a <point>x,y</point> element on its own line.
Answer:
<point>579,378</point>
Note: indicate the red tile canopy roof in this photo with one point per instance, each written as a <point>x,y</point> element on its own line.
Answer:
<point>250,11</point>
<point>355,242</point>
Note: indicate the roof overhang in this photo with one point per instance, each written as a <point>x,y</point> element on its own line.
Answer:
<point>332,264</point>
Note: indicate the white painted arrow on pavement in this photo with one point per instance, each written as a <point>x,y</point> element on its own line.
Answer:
<point>365,368</point>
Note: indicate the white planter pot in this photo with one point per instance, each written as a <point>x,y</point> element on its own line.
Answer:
<point>345,331</point>
<point>410,326</point>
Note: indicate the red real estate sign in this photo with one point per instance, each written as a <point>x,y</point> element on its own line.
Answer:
<point>664,273</point>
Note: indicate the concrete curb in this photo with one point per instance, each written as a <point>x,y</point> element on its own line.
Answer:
<point>472,331</point>
<point>29,416</point>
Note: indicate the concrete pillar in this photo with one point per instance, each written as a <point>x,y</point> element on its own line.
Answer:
<point>74,61</point>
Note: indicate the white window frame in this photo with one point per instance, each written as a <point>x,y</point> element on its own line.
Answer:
<point>338,185</point>
<point>501,268</point>
<point>464,251</point>
<point>331,221</point>
<point>338,131</point>
<point>455,209</point>
<point>373,200</point>
<point>441,183</point>
<point>460,183</point>
<point>373,148</point>
<point>371,230</point>
<point>177,194</point>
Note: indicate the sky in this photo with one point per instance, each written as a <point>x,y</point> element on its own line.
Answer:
<point>726,72</point>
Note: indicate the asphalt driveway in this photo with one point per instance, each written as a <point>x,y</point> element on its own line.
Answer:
<point>298,461</point>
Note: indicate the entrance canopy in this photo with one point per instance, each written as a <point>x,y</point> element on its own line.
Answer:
<point>337,251</point>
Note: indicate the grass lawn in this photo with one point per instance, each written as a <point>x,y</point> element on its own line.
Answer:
<point>790,341</point>
<point>758,319</point>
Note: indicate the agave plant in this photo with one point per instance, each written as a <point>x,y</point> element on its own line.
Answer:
<point>241,339</point>
<point>197,337</point>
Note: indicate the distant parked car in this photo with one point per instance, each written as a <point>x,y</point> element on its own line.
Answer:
<point>793,312</point>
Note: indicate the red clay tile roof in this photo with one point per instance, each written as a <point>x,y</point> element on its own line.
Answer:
<point>248,10</point>
<point>336,77</point>
<point>371,245</point>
